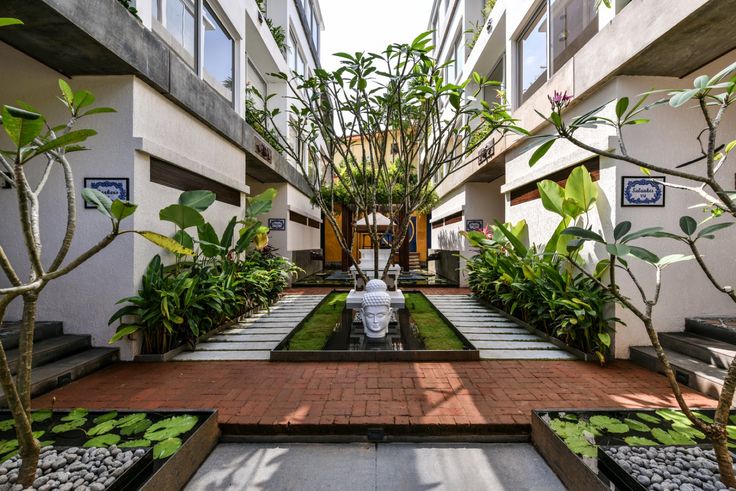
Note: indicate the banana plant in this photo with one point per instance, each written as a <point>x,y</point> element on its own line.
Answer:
<point>253,231</point>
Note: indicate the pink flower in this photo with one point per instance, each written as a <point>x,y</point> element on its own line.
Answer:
<point>559,100</point>
<point>488,232</point>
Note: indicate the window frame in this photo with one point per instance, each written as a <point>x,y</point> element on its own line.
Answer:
<point>541,11</point>
<point>210,79</point>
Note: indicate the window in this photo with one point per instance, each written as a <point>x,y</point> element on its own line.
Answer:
<point>156,10</point>
<point>315,31</point>
<point>293,51</point>
<point>491,93</point>
<point>533,54</point>
<point>257,82</point>
<point>181,23</point>
<point>573,23</point>
<point>218,52</point>
<point>456,59</point>
<point>300,64</point>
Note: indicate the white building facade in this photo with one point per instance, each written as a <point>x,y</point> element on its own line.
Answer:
<point>536,47</point>
<point>177,75</point>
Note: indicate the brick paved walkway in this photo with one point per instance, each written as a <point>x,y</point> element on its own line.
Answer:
<point>461,393</point>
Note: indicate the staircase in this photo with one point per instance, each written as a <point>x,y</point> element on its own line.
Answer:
<point>414,263</point>
<point>58,358</point>
<point>700,355</point>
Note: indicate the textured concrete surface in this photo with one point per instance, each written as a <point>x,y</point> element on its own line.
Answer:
<point>361,467</point>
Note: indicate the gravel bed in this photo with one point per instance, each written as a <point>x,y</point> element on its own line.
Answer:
<point>670,468</point>
<point>74,468</point>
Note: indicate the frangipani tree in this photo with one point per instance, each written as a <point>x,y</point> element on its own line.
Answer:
<point>383,131</point>
<point>36,143</point>
<point>711,97</point>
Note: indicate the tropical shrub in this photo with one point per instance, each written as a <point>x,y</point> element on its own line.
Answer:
<point>220,281</point>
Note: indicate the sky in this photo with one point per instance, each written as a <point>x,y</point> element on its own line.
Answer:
<point>369,25</point>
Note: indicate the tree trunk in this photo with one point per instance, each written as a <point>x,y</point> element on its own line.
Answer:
<point>29,447</point>
<point>723,457</point>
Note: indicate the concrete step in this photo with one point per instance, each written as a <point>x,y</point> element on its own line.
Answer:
<point>10,333</point>
<point>528,354</point>
<point>227,337</point>
<point>516,345</point>
<point>222,355</point>
<point>689,371</point>
<point>501,337</point>
<point>258,330</point>
<point>235,345</point>
<point>60,372</point>
<point>720,328</point>
<point>709,350</point>
<point>51,349</point>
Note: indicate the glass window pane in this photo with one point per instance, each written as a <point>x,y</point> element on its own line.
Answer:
<point>180,22</point>
<point>533,55</point>
<point>156,10</point>
<point>573,23</point>
<point>490,93</point>
<point>459,55</point>
<point>257,82</point>
<point>293,49</point>
<point>218,52</point>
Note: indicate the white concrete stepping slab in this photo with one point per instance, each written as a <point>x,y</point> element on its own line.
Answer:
<point>230,346</point>
<point>257,330</point>
<point>246,337</point>
<point>271,320</point>
<point>222,355</point>
<point>516,345</point>
<point>500,337</point>
<point>494,330</point>
<point>526,355</point>
<point>486,324</point>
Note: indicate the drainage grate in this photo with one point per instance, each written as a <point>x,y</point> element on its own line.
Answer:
<point>682,377</point>
<point>375,434</point>
<point>64,379</point>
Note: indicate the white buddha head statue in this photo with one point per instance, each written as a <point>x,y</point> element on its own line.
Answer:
<point>376,309</point>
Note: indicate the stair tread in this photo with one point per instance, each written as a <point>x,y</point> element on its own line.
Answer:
<point>703,341</point>
<point>63,364</point>
<point>51,344</point>
<point>685,362</point>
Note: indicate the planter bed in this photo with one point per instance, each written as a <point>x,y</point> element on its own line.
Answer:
<point>161,463</point>
<point>579,445</point>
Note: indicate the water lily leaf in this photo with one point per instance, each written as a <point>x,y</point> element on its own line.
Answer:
<point>72,425</point>
<point>105,417</point>
<point>611,425</point>
<point>8,455</point>
<point>672,437</point>
<point>733,419</point>
<point>130,419</point>
<point>8,445</point>
<point>649,418</point>
<point>582,447</point>
<point>688,430</point>
<point>570,417</point>
<point>40,415</point>
<point>38,434</point>
<point>135,443</point>
<point>170,427</point>
<point>76,414</point>
<point>636,425</point>
<point>703,417</point>
<point>637,441</point>
<point>731,432</point>
<point>166,448</point>
<point>7,424</point>
<point>137,427</point>
<point>674,416</point>
<point>102,428</point>
<point>46,443</point>
<point>103,440</point>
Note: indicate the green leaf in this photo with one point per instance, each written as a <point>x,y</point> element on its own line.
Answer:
<point>71,425</point>
<point>99,200</point>
<point>605,338</point>
<point>76,414</point>
<point>649,418</point>
<point>260,204</point>
<point>137,427</point>
<point>636,425</point>
<point>120,210</point>
<point>166,448</point>
<point>8,21</point>
<point>621,106</point>
<point>66,91</point>
<point>7,424</point>
<point>200,200</point>
<point>70,138</point>
<point>181,215</point>
<point>227,236</point>
<point>611,425</point>
<point>637,441</point>
<point>41,415</point>
<point>618,250</point>
<point>714,228</point>
<point>122,332</point>
<point>135,443</point>
<point>519,248</point>
<point>674,415</point>
<point>98,110</point>
<point>688,225</point>
<point>703,417</point>
<point>552,195</point>
<point>583,233</point>
<point>21,126</point>
<point>541,151</point>
<point>645,232</point>
<point>701,82</point>
<point>167,243</point>
<point>681,97</point>
<point>105,417</point>
<point>102,428</point>
<point>621,230</point>
<point>130,419</point>
<point>82,98</point>
<point>643,254</point>
<point>171,427</point>
<point>184,239</point>
<point>208,240</point>
<point>672,259</point>
<point>103,441</point>
<point>581,188</point>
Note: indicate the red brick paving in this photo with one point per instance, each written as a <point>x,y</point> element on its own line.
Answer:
<point>428,290</point>
<point>268,393</point>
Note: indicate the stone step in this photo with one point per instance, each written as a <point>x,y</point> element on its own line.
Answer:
<point>709,350</point>
<point>689,371</point>
<point>10,333</point>
<point>270,321</point>
<point>245,337</point>
<point>720,328</point>
<point>493,330</point>
<point>473,337</point>
<point>60,372</point>
<point>222,355</point>
<point>483,323</point>
<point>51,349</point>
<point>232,346</point>
<point>515,345</point>
<point>258,330</point>
<point>529,354</point>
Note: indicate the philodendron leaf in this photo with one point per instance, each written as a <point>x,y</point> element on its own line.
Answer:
<point>637,441</point>
<point>135,443</point>
<point>76,414</point>
<point>102,428</point>
<point>200,200</point>
<point>166,448</point>
<point>103,440</point>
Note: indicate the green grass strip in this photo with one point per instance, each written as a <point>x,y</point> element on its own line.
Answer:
<point>318,327</point>
<point>433,330</point>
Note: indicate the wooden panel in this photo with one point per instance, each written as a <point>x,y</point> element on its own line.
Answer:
<point>175,177</point>
<point>313,223</point>
<point>529,192</point>
<point>298,218</point>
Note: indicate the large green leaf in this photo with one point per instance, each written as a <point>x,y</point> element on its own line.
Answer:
<point>135,428</point>
<point>105,417</point>
<point>130,419</point>
<point>553,196</point>
<point>200,200</point>
<point>70,138</point>
<point>103,440</point>
<point>9,21</point>
<point>120,210</point>
<point>101,428</point>
<point>166,242</point>
<point>519,248</point>
<point>261,203</point>
<point>166,448</point>
<point>76,414</point>
<point>41,415</point>
<point>227,236</point>
<point>71,425</point>
<point>122,332</point>
<point>581,188</point>
<point>21,126</point>
<point>171,427</point>
<point>135,443</point>
<point>181,215</point>
<point>208,240</point>
<point>6,424</point>
<point>541,151</point>
<point>99,200</point>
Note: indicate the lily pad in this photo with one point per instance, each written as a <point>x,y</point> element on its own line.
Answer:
<point>102,428</point>
<point>135,443</point>
<point>611,425</point>
<point>170,427</point>
<point>9,455</point>
<point>130,419</point>
<point>76,414</point>
<point>671,437</point>
<point>7,424</point>
<point>674,416</point>
<point>582,447</point>
<point>137,427</point>
<point>41,415</point>
<point>166,448</point>
<point>103,440</point>
<point>637,441</point>
<point>8,445</point>
<point>637,425</point>
<point>688,430</point>
<point>703,417</point>
<point>731,431</point>
<point>71,425</point>
<point>105,417</point>
<point>649,418</point>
